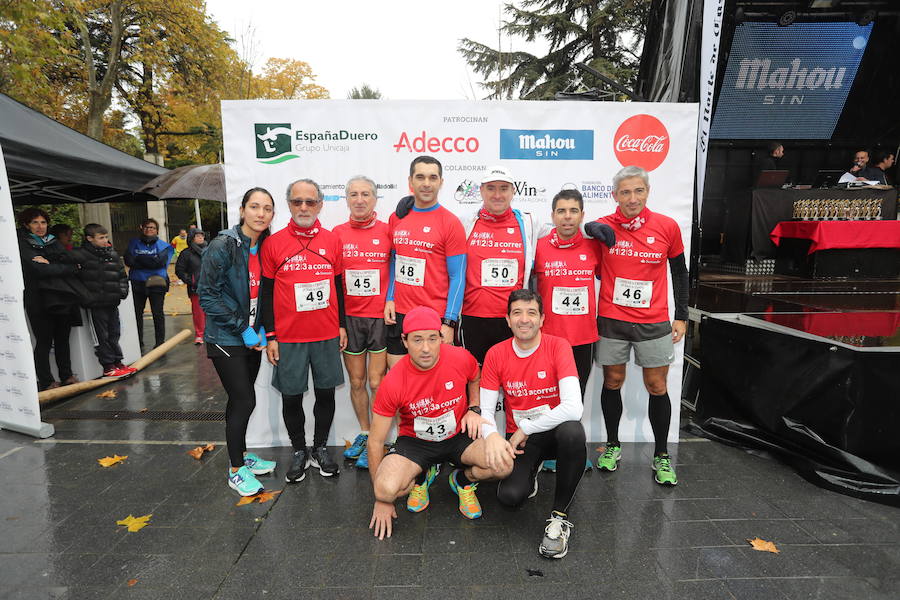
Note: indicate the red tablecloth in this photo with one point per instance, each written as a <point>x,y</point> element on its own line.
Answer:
<point>831,235</point>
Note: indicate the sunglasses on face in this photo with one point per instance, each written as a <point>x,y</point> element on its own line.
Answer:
<point>297,202</point>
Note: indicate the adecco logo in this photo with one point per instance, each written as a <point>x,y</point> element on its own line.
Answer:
<point>642,141</point>
<point>273,142</point>
<point>547,144</point>
<point>428,143</point>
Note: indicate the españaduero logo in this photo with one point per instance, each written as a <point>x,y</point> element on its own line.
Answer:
<point>547,144</point>
<point>273,143</point>
<point>278,142</point>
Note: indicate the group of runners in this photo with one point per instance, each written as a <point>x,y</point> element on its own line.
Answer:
<point>441,323</point>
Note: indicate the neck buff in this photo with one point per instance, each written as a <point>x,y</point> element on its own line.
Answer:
<point>363,224</point>
<point>42,241</point>
<point>492,218</point>
<point>149,239</point>
<point>556,242</point>
<point>632,224</point>
<point>307,232</point>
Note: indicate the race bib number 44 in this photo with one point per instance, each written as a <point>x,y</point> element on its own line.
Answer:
<point>570,301</point>
<point>435,429</point>
<point>410,271</point>
<point>499,272</point>
<point>633,293</point>
<point>312,296</point>
<point>363,282</point>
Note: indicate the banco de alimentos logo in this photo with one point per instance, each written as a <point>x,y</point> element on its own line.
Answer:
<point>273,143</point>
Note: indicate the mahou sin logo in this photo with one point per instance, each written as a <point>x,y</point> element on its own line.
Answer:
<point>642,141</point>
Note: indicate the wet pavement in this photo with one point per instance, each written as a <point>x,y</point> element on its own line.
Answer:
<point>632,538</point>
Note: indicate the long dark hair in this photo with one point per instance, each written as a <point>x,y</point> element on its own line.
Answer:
<point>245,199</point>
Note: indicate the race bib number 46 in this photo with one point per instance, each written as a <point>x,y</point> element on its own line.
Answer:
<point>633,293</point>
<point>312,296</point>
<point>499,272</point>
<point>363,282</point>
<point>435,429</point>
<point>570,301</point>
<point>410,271</point>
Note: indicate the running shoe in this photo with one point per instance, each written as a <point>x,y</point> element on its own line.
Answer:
<point>587,465</point>
<point>418,499</point>
<point>534,489</point>
<point>665,474</point>
<point>355,449</point>
<point>198,340</point>
<point>126,370</point>
<point>321,459</point>
<point>468,502</point>
<point>244,482</point>
<point>549,465</point>
<point>299,462</point>
<point>556,536</point>
<point>112,371</point>
<point>257,465</point>
<point>363,461</point>
<point>609,460</point>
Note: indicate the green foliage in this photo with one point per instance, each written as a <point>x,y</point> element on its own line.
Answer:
<point>364,92</point>
<point>605,34</point>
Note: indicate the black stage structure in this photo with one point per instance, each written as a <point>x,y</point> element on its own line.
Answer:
<point>804,367</point>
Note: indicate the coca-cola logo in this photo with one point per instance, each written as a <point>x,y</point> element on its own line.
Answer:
<point>642,141</point>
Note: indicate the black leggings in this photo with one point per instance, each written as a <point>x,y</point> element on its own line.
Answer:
<point>565,443</point>
<point>584,355</point>
<point>238,373</point>
<point>659,411</point>
<point>295,420</point>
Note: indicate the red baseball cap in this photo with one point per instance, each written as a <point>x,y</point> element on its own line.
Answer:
<point>421,318</point>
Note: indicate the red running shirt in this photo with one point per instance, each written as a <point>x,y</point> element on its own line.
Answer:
<point>366,256</point>
<point>254,274</point>
<point>423,240</point>
<point>304,300</point>
<point>635,272</point>
<point>565,279</point>
<point>531,384</point>
<point>432,403</point>
<point>495,266</point>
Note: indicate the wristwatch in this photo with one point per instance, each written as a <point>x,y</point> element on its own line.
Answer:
<point>475,409</point>
<point>449,322</point>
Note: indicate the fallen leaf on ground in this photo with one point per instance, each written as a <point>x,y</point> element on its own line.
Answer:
<point>135,523</point>
<point>209,447</point>
<point>347,444</point>
<point>131,582</point>
<point>200,450</point>
<point>763,545</point>
<point>107,394</point>
<point>108,461</point>
<point>143,410</point>
<point>260,497</point>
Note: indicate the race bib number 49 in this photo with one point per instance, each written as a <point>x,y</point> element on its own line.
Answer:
<point>633,293</point>
<point>363,282</point>
<point>499,272</point>
<point>435,429</point>
<point>570,301</point>
<point>410,271</point>
<point>312,296</point>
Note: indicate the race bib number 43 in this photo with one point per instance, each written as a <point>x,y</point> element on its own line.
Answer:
<point>499,272</point>
<point>633,293</point>
<point>410,271</point>
<point>435,429</point>
<point>312,296</point>
<point>570,301</point>
<point>363,282</point>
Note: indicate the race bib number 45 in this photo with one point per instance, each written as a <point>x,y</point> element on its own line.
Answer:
<point>570,301</point>
<point>312,296</point>
<point>499,272</point>
<point>363,282</point>
<point>435,429</point>
<point>633,293</point>
<point>410,271</point>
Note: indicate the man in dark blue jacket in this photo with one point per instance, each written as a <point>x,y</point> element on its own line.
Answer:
<point>148,257</point>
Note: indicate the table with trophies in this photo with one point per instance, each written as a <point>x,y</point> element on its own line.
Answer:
<point>838,237</point>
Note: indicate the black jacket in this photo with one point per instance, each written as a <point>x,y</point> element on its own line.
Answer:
<point>187,267</point>
<point>48,287</point>
<point>103,274</point>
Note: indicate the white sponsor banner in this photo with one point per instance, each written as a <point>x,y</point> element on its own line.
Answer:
<point>709,59</point>
<point>19,407</point>
<point>547,146</point>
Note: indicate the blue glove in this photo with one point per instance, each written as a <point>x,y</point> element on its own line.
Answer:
<point>262,337</point>
<point>404,206</point>
<point>250,337</point>
<point>601,232</point>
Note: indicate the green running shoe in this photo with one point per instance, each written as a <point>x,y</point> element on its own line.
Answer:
<point>418,499</point>
<point>665,474</point>
<point>244,482</point>
<point>469,505</point>
<point>257,465</point>
<point>609,460</point>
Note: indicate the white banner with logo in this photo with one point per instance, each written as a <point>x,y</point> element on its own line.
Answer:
<point>19,407</point>
<point>547,146</point>
<point>709,60</point>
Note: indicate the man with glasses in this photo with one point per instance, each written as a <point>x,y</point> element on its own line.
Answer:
<point>148,257</point>
<point>302,311</point>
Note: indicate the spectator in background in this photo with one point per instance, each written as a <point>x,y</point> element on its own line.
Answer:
<point>772,160</point>
<point>860,169</point>
<point>883,161</point>
<point>187,269</point>
<point>147,256</point>
<point>63,234</point>
<point>180,242</point>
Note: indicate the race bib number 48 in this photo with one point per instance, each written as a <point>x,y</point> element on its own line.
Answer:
<point>410,271</point>
<point>363,282</point>
<point>633,293</point>
<point>435,429</point>
<point>499,272</point>
<point>570,301</point>
<point>312,296</point>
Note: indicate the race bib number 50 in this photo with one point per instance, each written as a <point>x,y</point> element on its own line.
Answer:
<point>633,293</point>
<point>499,272</point>
<point>410,271</point>
<point>363,282</point>
<point>312,296</point>
<point>435,429</point>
